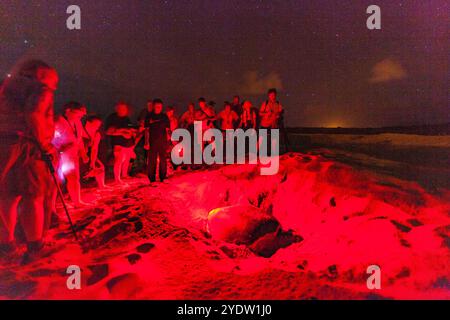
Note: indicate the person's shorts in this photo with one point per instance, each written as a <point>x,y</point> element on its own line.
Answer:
<point>121,152</point>
<point>22,170</point>
<point>69,165</point>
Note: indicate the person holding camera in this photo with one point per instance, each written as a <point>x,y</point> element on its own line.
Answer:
<point>26,132</point>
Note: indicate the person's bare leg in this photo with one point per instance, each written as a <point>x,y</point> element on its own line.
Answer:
<point>49,208</point>
<point>118,162</point>
<point>100,178</point>
<point>126,163</point>
<point>8,218</point>
<point>33,217</point>
<point>74,189</point>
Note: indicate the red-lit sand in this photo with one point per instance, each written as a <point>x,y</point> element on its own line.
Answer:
<point>149,242</point>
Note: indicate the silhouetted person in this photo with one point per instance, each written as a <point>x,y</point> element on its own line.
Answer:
<point>142,139</point>
<point>26,132</point>
<point>145,112</point>
<point>173,120</point>
<point>236,105</point>
<point>158,124</point>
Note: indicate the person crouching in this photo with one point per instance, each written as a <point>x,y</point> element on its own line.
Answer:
<point>94,168</point>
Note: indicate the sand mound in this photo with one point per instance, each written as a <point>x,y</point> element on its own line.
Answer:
<point>310,231</point>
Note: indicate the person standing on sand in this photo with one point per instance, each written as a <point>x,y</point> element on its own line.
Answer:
<point>142,140</point>
<point>187,122</point>
<point>248,117</point>
<point>227,117</point>
<point>237,107</point>
<point>159,126</point>
<point>270,111</point>
<point>26,132</point>
<point>95,167</point>
<point>270,114</point>
<point>173,120</point>
<point>68,139</point>
<point>205,113</point>
<point>170,112</point>
<point>141,122</point>
<point>187,119</point>
<point>118,127</point>
<point>145,112</point>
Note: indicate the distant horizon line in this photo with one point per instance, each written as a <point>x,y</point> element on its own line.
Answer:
<point>372,128</point>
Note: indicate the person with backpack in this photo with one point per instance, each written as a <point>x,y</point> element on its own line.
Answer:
<point>26,132</point>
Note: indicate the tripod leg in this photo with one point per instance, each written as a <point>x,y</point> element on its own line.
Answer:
<point>61,197</point>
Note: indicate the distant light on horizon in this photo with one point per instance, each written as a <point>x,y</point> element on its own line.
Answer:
<point>336,124</point>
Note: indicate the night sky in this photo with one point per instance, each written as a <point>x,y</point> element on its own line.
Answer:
<point>330,69</point>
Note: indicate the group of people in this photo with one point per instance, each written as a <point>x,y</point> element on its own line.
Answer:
<point>34,140</point>
<point>154,128</point>
<point>235,114</point>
